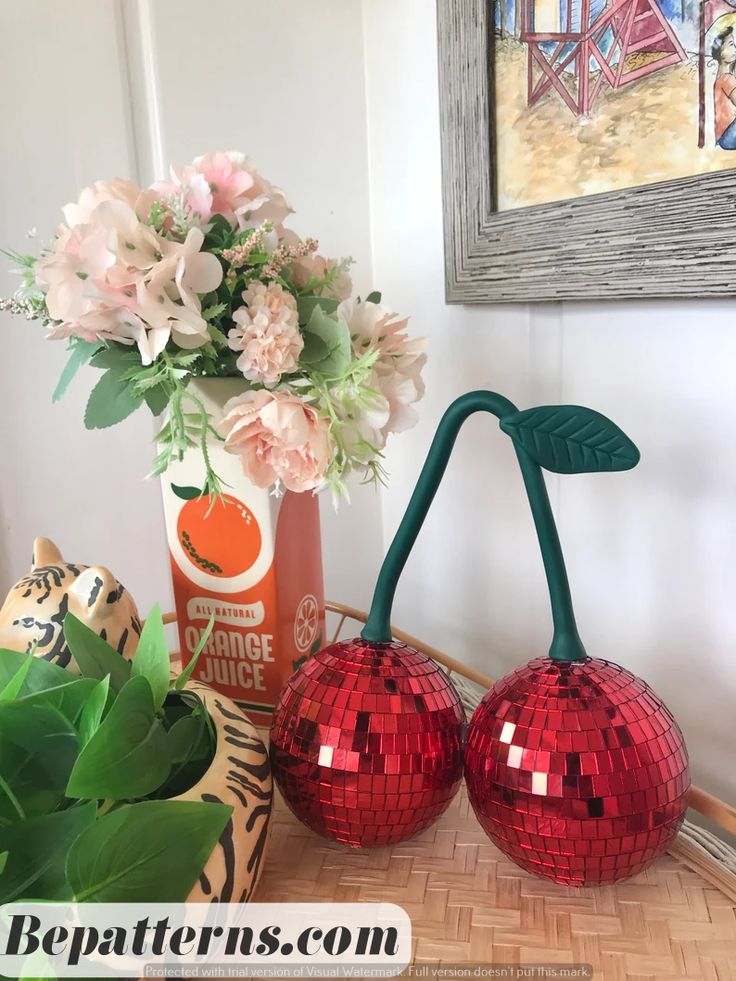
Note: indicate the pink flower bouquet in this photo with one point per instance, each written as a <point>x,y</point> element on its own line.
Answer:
<point>197,276</point>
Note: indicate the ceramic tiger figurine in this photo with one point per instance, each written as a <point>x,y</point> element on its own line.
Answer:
<point>36,605</point>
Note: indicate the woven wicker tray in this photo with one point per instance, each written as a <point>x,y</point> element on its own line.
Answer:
<point>470,905</point>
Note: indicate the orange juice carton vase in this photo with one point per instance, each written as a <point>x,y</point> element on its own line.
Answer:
<point>251,560</point>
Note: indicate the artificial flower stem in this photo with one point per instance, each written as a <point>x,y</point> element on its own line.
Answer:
<point>566,644</point>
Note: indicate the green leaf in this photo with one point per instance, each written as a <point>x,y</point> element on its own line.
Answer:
<point>306,306</point>
<point>37,849</point>
<point>116,356</point>
<point>571,439</point>
<point>314,350</point>
<point>111,400</point>
<point>68,699</point>
<point>374,297</point>
<point>93,711</point>
<point>127,757</point>
<point>95,657</point>
<point>3,861</point>
<point>187,672</point>
<point>210,313</point>
<point>38,747</point>
<point>11,689</point>
<point>42,674</point>
<point>157,399</point>
<point>148,852</point>
<point>188,738</point>
<point>81,353</point>
<point>152,659</point>
<point>186,493</point>
<point>336,337</point>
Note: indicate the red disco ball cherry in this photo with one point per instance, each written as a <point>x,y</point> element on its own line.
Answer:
<point>576,770</point>
<point>366,743</point>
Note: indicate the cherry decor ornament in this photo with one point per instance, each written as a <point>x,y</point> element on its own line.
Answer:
<point>366,740</point>
<point>574,767</point>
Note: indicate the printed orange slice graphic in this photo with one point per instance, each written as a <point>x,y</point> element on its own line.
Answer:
<point>223,539</point>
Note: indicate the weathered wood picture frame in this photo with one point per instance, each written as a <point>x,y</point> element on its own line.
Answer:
<point>676,238</point>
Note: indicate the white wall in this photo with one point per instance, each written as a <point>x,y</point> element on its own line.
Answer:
<point>651,553</point>
<point>117,88</point>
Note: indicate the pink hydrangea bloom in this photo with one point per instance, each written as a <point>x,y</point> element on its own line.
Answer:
<point>267,334</point>
<point>278,438</point>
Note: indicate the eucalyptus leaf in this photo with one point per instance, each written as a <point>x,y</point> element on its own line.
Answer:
<point>80,354</point>
<point>111,400</point>
<point>37,850</point>
<point>571,439</point>
<point>151,659</point>
<point>374,297</point>
<point>335,335</point>
<point>123,854</point>
<point>314,350</point>
<point>93,711</point>
<point>127,757</point>
<point>94,656</point>
<point>306,306</point>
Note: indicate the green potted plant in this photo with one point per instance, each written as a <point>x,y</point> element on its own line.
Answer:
<point>124,784</point>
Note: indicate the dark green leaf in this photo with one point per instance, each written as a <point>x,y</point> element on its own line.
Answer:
<point>186,493</point>
<point>152,659</point>
<point>156,399</point>
<point>127,757</point>
<point>37,847</point>
<point>95,657</point>
<point>111,400</point>
<point>150,852</point>
<point>93,710</point>
<point>10,690</point>
<point>374,297</point>
<point>80,354</point>
<point>306,306</point>
<point>38,747</point>
<point>571,439</point>
<point>188,739</point>
<point>3,861</point>
<point>42,674</point>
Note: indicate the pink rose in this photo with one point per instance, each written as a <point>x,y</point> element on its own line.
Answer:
<point>278,438</point>
<point>267,334</point>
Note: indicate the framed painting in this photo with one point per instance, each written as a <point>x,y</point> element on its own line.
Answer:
<point>588,148</point>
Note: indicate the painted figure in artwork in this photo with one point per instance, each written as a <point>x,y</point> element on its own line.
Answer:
<point>723,51</point>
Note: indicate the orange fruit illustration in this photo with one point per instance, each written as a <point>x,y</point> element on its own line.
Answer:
<point>223,539</point>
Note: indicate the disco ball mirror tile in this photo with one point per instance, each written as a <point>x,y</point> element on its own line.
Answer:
<point>576,770</point>
<point>366,742</point>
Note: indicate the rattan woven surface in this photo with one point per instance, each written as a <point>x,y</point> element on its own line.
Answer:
<point>469,904</point>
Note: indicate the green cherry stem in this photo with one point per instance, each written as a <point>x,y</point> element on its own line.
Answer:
<point>566,644</point>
